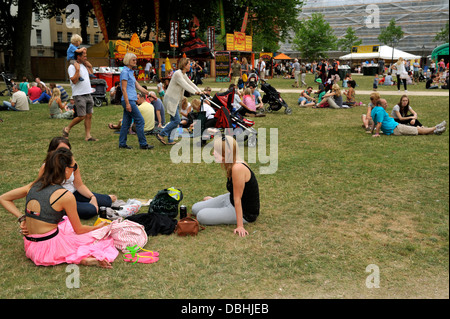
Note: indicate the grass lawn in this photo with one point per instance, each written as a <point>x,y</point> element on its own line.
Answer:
<point>339,202</point>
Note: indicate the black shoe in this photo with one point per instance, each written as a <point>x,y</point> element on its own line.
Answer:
<point>146,147</point>
<point>126,147</point>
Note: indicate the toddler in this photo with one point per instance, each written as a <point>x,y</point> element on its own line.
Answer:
<point>75,47</point>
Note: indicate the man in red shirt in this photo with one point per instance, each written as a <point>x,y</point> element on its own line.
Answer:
<point>34,92</point>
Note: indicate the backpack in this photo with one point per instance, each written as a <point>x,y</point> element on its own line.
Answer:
<point>166,202</point>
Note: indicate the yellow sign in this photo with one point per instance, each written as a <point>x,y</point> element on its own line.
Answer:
<point>239,41</point>
<point>365,49</point>
<point>230,41</point>
<point>248,43</point>
<point>142,50</point>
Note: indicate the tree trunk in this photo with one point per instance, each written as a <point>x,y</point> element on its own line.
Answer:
<point>22,36</point>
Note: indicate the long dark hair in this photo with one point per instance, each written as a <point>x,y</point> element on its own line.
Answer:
<point>54,143</point>
<point>404,109</point>
<point>55,167</point>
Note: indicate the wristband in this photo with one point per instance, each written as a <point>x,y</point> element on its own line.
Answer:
<point>21,218</point>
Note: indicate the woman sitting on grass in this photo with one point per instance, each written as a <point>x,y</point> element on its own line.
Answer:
<point>57,107</point>
<point>239,206</point>
<point>400,113</point>
<point>87,201</point>
<point>367,118</point>
<point>50,237</point>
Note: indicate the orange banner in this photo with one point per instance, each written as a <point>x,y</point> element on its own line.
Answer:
<point>100,19</point>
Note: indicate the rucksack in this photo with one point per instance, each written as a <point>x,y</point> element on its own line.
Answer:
<point>166,202</point>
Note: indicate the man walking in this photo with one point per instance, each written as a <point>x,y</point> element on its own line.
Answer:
<point>81,92</point>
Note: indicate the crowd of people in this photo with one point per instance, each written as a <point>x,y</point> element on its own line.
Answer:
<point>58,198</point>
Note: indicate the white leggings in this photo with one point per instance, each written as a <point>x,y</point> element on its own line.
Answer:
<point>216,211</point>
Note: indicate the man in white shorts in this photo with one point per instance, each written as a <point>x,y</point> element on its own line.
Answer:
<point>81,93</point>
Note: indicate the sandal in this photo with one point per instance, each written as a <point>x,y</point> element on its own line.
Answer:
<point>91,139</point>
<point>161,139</point>
<point>134,249</point>
<point>64,132</point>
<point>148,257</point>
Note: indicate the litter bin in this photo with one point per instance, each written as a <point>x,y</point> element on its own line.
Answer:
<point>370,70</point>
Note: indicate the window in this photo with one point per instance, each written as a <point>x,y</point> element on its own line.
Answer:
<point>37,16</point>
<point>39,37</point>
<point>69,35</point>
<point>95,23</point>
<point>96,38</point>
<point>88,39</point>
<point>59,37</point>
<point>59,19</point>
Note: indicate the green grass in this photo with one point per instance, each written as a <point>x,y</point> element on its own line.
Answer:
<point>340,200</point>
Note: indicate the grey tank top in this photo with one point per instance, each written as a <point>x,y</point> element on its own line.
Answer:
<point>46,213</point>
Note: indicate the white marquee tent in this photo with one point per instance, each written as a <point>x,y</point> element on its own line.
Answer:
<point>385,53</point>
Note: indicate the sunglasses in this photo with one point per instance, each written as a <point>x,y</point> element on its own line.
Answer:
<point>75,167</point>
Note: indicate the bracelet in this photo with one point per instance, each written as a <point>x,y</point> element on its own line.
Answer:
<point>21,218</point>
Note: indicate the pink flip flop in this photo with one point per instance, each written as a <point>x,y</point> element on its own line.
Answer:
<point>139,258</point>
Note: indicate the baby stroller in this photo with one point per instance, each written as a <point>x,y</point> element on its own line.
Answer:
<point>8,84</point>
<point>226,119</point>
<point>99,94</point>
<point>252,77</point>
<point>274,99</point>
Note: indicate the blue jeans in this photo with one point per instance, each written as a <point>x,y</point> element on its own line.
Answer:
<point>9,106</point>
<point>85,209</point>
<point>127,118</point>
<point>44,98</point>
<point>173,124</point>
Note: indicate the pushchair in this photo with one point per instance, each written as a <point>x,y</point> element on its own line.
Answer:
<point>274,99</point>
<point>99,95</point>
<point>252,78</point>
<point>227,119</point>
<point>8,84</point>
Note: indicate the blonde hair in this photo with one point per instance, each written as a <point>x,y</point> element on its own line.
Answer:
<point>247,91</point>
<point>76,38</point>
<point>227,148</point>
<point>56,93</point>
<point>182,63</point>
<point>337,89</point>
<point>195,103</point>
<point>128,57</point>
<point>184,103</point>
<point>400,60</point>
<point>375,96</point>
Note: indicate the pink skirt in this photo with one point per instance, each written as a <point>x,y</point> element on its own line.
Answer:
<point>68,247</point>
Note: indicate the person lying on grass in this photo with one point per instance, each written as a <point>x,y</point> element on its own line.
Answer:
<point>382,121</point>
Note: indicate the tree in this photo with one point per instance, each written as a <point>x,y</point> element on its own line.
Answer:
<point>442,36</point>
<point>314,37</point>
<point>392,34</point>
<point>349,40</point>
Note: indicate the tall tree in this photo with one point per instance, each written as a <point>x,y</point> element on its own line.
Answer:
<point>442,36</point>
<point>392,34</point>
<point>314,37</point>
<point>21,39</point>
<point>348,40</point>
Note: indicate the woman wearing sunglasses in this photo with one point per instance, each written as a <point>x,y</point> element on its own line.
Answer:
<point>88,202</point>
<point>53,233</point>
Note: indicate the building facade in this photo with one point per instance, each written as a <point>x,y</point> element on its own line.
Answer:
<point>420,20</point>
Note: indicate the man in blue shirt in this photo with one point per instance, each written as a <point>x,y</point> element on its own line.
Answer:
<point>382,121</point>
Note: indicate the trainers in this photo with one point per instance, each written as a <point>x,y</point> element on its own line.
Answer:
<point>440,130</point>
<point>146,147</point>
<point>125,147</point>
<point>442,124</point>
